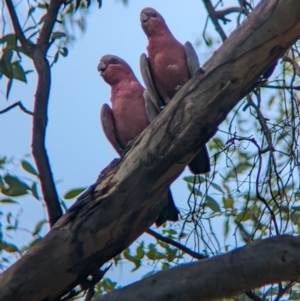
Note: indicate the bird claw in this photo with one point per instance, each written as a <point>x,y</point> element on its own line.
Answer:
<point>162,107</point>
<point>178,87</point>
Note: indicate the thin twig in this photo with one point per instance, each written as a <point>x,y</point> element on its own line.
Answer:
<point>295,65</point>
<point>212,14</point>
<point>282,291</point>
<point>221,13</point>
<point>263,124</point>
<point>17,104</point>
<point>281,87</point>
<point>176,244</point>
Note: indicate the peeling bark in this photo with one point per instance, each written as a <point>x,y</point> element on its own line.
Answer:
<point>126,202</point>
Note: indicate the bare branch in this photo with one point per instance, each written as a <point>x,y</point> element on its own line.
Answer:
<point>221,13</point>
<point>26,44</point>
<point>39,151</point>
<point>176,244</point>
<point>245,4</point>
<point>282,290</point>
<point>213,16</point>
<point>282,87</point>
<point>17,104</point>
<point>41,113</point>
<point>38,54</point>
<point>43,41</point>
<point>263,124</point>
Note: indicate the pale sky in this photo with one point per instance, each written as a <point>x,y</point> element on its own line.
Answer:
<point>76,145</point>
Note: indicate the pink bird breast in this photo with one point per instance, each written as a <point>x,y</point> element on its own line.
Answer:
<point>128,106</point>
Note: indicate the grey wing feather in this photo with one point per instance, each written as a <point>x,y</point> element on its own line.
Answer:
<point>147,78</point>
<point>151,109</point>
<point>201,162</point>
<point>192,58</point>
<point>109,128</point>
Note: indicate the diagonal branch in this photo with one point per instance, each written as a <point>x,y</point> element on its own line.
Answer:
<point>221,13</point>
<point>214,18</point>
<point>176,244</point>
<point>26,44</point>
<point>43,40</point>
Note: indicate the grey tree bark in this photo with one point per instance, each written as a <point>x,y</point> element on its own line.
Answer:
<point>126,202</point>
<point>259,263</point>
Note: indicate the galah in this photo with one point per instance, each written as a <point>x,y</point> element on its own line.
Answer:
<point>167,68</point>
<point>127,117</point>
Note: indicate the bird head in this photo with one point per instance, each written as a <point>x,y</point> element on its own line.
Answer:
<point>113,69</point>
<point>152,22</point>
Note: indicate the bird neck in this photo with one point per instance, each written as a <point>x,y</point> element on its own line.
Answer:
<point>123,88</point>
<point>161,31</point>
<point>161,42</point>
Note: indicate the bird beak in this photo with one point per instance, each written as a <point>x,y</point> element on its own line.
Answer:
<point>101,67</point>
<point>144,18</point>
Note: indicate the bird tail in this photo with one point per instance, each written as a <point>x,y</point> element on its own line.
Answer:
<point>201,162</point>
<point>169,212</point>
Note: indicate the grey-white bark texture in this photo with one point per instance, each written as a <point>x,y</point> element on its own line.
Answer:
<point>259,263</point>
<point>127,200</point>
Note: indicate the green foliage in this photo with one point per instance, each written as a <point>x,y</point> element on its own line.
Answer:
<point>29,168</point>
<point>13,186</point>
<point>71,194</point>
<point>10,64</point>
<point>9,248</point>
<point>106,285</point>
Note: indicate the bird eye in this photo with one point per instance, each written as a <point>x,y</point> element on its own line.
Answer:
<point>154,15</point>
<point>114,61</point>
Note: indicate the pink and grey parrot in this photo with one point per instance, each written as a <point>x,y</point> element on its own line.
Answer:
<point>127,118</point>
<point>167,68</point>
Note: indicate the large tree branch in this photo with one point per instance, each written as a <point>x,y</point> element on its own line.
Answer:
<point>259,263</point>
<point>127,200</point>
<point>38,54</point>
